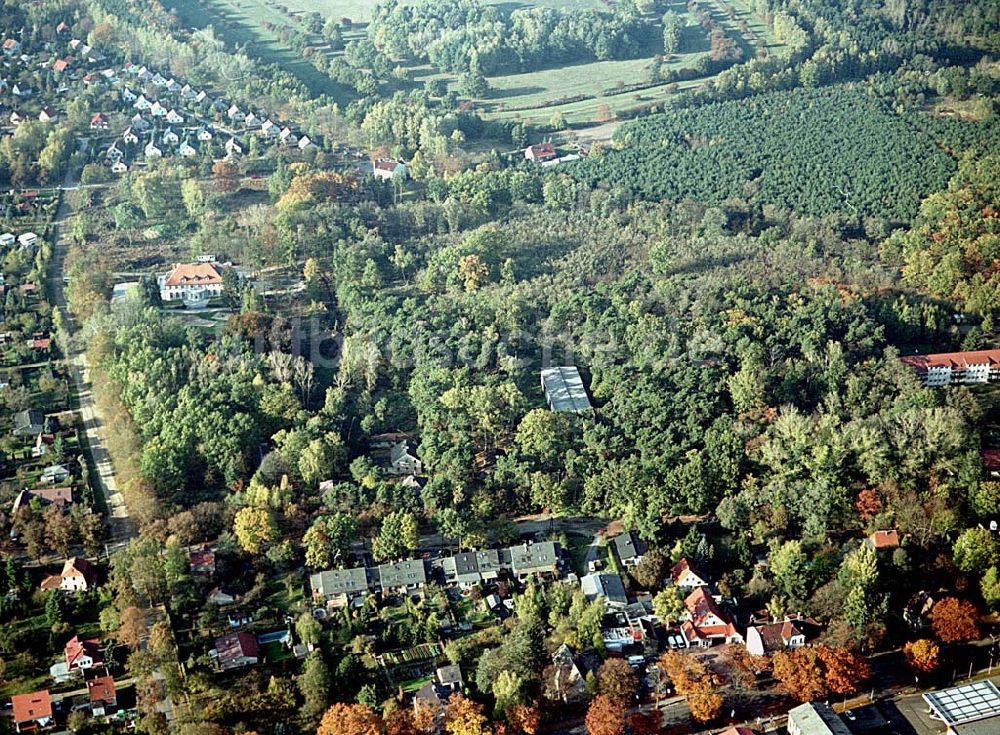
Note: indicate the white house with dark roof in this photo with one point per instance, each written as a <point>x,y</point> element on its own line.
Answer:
<point>629,548</point>
<point>469,568</point>
<point>529,560</point>
<point>606,585</point>
<point>233,148</point>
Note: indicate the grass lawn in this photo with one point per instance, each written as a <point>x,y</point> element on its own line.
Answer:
<point>286,598</point>
<point>275,651</point>
<point>412,685</point>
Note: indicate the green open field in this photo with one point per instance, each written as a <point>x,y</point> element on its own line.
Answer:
<point>238,22</point>
<point>589,88</point>
<point>584,93</point>
<point>360,10</point>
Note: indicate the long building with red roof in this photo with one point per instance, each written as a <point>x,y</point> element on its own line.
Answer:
<point>953,368</point>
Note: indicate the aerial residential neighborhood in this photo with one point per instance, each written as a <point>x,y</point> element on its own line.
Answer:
<point>458,367</point>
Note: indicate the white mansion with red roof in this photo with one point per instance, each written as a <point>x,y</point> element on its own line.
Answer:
<point>193,283</point>
<point>947,368</point>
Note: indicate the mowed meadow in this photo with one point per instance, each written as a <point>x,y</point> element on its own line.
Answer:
<point>582,93</point>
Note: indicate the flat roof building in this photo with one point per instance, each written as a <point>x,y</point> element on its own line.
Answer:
<point>564,389</point>
<point>815,718</point>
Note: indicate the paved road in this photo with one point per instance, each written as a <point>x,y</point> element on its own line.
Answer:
<point>120,526</point>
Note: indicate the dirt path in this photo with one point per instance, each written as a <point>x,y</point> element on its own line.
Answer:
<point>120,525</point>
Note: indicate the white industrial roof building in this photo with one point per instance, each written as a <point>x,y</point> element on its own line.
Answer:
<point>564,389</point>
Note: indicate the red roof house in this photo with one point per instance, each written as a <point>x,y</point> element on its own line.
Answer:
<point>32,711</point>
<point>884,539</point>
<point>781,635</point>
<point>61,64</point>
<point>685,575</point>
<point>83,655</point>
<point>185,274</point>
<point>235,650</point>
<point>706,621</point>
<point>540,153</point>
<point>103,696</point>
<point>203,561</point>
<point>77,574</point>
<point>945,368</point>
<point>41,343</point>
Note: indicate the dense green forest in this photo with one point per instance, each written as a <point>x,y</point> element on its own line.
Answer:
<point>851,154</point>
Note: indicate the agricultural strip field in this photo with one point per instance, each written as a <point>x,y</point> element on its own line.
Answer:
<point>239,22</point>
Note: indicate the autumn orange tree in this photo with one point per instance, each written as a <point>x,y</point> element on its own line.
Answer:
<point>695,680</point>
<point>843,669</point>
<point>868,504</point>
<point>605,716</point>
<point>705,706</point>
<point>350,719</point>
<point>922,655</point>
<point>689,675</point>
<point>746,667</point>
<point>309,189</point>
<point>425,717</point>
<point>400,722</point>
<point>524,718</point>
<point>812,673</point>
<point>955,620</point>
